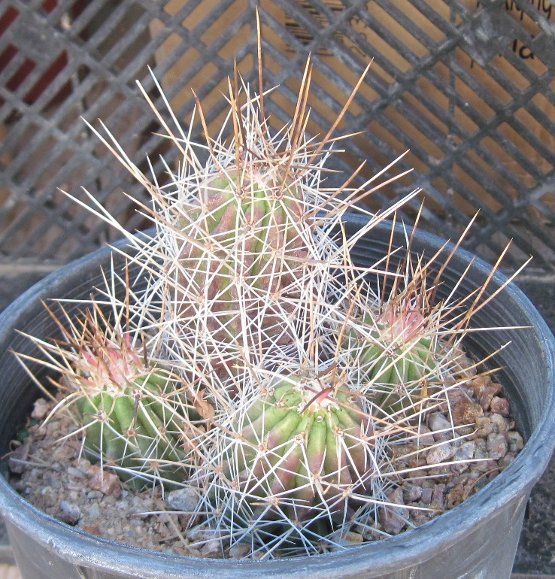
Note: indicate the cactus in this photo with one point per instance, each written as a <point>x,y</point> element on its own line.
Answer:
<point>135,417</point>
<point>313,440</point>
<point>286,468</point>
<point>250,291</point>
<point>128,413</point>
<point>241,242</point>
<point>397,354</point>
<point>243,272</point>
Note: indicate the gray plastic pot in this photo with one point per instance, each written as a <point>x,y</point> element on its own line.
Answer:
<point>476,539</point>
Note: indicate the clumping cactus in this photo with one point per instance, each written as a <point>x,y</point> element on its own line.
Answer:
<point>278,383</point>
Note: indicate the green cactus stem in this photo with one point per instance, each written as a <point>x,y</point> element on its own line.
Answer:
<point>133,417</point>
<point>133,429</point>
<point>302,445</point>
<point>244,244</point>
<point>400,358</point>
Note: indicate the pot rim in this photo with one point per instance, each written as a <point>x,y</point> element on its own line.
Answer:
<point>408,548</point>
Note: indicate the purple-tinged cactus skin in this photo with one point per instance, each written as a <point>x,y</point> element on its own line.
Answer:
<point>301,445</point>
<point>241,243</point>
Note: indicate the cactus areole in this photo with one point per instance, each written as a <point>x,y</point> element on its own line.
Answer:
<point>301,445</point>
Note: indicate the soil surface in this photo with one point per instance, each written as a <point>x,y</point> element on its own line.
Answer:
<point>55,477</point>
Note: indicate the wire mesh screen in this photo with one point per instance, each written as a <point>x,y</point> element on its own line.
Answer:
<point>466,85</point>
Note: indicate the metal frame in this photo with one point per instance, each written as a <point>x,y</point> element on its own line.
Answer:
<point>474,146</point>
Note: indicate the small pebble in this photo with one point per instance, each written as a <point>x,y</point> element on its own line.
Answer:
<point>500,406</point>
<point>61,454</point>
<point>40,409</point>
<point>441,427</point>
<point>69,513</point>
<point>420,517</point>
<point>239,551</point>
<point>499,423</point>
<point>49,496</point>
<point>392,519</point>
<point>496,445</point>
<point>16,462</point>
<point>484,389</point>
<point>465,453</point>
<point>484,426</point>
<point>515,441</point>
<point>15,465</point>
<point>412,493</point>
<point>466,412</point>
<point>456,395</point>
<point>480,444</point>
<point>92,529</point>
<point>212,549</point>
<point>488,394</point>
<point>184,500</point>
<point>94,512</point>
<point>347,539</point>
<point>438,494</point>
<point>440,453</point>
<point>425,436</point>
<point>200,535</point>
<point>455,496</point>
<point>426,497</point>
<point>107,483</point>
<point>466,450</point>
<point>75,472</point>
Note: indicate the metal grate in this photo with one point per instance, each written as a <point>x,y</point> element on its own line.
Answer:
<point>467,85</point>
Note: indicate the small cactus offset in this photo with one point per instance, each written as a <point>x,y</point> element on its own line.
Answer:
<point>131,413</point>
<point>128,414</point>
<point>302,441</point>
<point>287,468</point>
<point>399,348</point>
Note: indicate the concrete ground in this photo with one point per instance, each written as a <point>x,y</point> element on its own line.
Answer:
<point>536,551</point>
